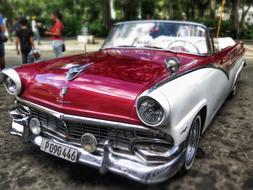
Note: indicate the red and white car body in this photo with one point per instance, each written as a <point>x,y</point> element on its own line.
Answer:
<point>137,107</point>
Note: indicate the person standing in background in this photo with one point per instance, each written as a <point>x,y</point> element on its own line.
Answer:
<point>24,40</point>
<point>8,25</point>
<point>57,34</point>
<point>35,30</point>
<point>2,41</point>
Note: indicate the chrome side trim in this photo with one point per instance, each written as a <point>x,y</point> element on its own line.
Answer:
<point>239,71</point>
<point>88,121</point>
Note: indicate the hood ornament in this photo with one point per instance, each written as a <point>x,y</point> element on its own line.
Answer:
<point>73,72</point>
<point>63,91</point>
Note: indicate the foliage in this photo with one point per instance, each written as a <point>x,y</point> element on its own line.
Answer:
<point>247,33</point>
<point>97,28</point>
<point>96,13</point>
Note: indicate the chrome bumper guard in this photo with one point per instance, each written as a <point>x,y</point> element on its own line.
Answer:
<point>106,158</point>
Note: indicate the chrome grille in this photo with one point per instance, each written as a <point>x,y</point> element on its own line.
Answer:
<point>72,131</point>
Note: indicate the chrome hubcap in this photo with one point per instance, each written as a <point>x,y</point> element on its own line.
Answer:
<point>192,143</point>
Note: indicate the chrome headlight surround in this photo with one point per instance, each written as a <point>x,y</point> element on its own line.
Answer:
<point>12,82</point>
<point>148,107</point>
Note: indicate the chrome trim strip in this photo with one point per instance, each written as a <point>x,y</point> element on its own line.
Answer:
<point>165,21</point>
<point>162,50</point>
<point>86,120</point>
<point>239,71</point>
<point>54,131</point>
<point>127,165</point>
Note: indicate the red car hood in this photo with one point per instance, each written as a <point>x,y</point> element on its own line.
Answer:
<point>106,89</point>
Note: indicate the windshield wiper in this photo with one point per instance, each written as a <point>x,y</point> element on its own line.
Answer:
<point>145,46</point>
<point>125,46</point>
<point>152,46</point>
<point>157,47</point>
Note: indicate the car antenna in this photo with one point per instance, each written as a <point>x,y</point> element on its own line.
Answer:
<point>85,52</point>
<point>85,48</point>
<point>84,41</point>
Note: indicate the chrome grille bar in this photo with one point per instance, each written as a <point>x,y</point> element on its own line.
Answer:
<point>56,127</point>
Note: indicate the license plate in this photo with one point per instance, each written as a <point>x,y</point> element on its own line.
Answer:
<point>59,150</point>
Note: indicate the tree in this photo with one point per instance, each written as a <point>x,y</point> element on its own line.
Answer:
<point>235,17</point>
<point>245,7</point>
<point>212,8</point>
<point>129,8</point>
<point>106,8</point>
<point>202,6</point>
<point>147,9</point>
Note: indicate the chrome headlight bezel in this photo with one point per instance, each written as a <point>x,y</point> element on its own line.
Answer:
<point>145,99</point>
<point>10,85</point>
<point>11,77</point>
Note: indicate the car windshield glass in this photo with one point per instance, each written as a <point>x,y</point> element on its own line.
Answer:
<point>172,36</point>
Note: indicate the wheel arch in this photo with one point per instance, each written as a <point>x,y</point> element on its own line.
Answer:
<point>203,114</point>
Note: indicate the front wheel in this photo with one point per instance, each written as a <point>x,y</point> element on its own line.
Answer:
<point>192,143</point>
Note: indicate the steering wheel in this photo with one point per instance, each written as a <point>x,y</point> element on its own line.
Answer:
<point>183,45</point>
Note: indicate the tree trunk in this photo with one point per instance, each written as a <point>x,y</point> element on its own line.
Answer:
<point>202,6</point>
<point>212,9</point>
<point>244,13</point>
<point>107,13</point>
<point>130,9</point>
<point>235,17</point>
<point>192,10</point>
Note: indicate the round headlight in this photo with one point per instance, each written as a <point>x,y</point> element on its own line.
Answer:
<point>10,85</point>
<point>11,81</point>
<point>150,112</point>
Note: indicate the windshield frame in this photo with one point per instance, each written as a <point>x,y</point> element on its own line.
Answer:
<point>207,36</point>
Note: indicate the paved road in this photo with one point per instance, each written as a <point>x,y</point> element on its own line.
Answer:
<point>227,162</point>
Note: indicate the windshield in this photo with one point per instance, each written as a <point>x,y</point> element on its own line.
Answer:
<point>171,36</point>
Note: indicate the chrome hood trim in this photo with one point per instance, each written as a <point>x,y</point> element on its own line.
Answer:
<point>89,121</point>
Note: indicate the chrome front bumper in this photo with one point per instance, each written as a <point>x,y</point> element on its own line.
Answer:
<point>109,159</point>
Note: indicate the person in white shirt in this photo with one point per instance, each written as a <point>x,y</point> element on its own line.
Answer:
<point>36,30</point>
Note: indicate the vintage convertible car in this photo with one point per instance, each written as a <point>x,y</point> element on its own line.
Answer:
<point>137,107</point>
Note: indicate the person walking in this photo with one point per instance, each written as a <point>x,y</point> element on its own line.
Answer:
<point>2,41</point>
<point>56,33</point>
<point>16,25</point>
<point>24,40</point>
<point>8,30</point>
<point>35,30</point>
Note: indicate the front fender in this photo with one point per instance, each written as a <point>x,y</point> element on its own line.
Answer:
<point>185,97</point>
